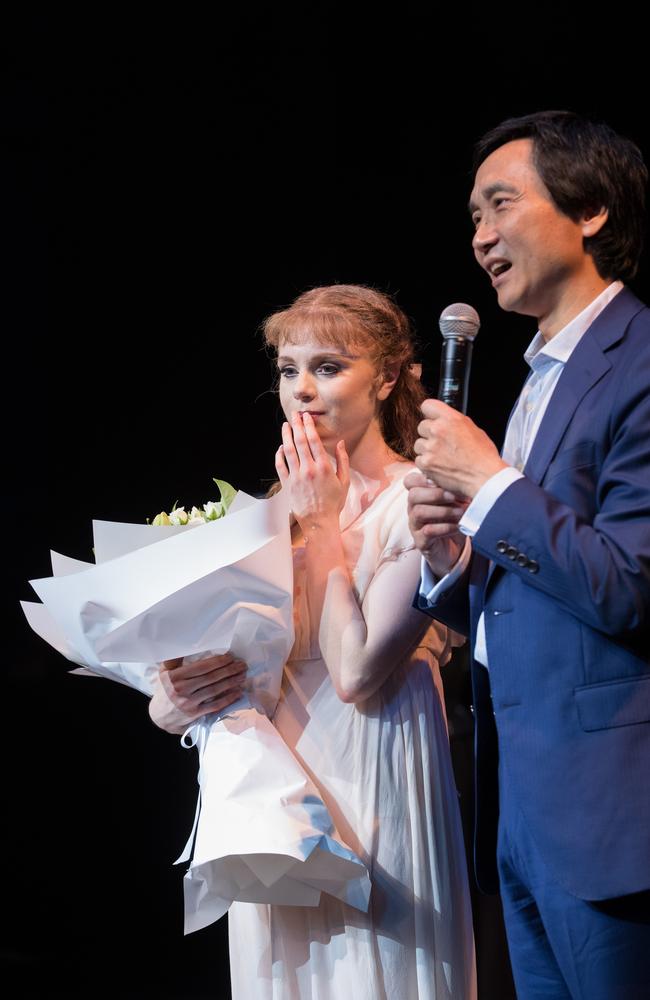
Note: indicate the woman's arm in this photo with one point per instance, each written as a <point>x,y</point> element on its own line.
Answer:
<point>360,645</point>
<point>186,691</point>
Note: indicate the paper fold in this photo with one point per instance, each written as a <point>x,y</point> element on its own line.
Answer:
<point>262,832</point>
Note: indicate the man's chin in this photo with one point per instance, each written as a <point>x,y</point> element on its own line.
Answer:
<point>513,303</point>
<point>506,302</point>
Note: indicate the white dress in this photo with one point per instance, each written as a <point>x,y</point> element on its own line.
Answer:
<point>383,769</point>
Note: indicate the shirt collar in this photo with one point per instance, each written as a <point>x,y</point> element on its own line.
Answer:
<point>559,348</point>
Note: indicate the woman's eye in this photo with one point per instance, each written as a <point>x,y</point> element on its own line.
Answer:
<point>288,371</point>
<point>328,369</point>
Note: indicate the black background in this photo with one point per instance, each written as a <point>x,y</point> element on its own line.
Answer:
<point>169,180</point>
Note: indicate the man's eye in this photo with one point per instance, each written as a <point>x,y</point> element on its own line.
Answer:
<point>476,221</point>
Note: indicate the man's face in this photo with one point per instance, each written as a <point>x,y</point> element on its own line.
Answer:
<point>533,253</point>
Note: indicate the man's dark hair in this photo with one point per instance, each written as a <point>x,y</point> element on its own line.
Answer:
<point>585,166</point>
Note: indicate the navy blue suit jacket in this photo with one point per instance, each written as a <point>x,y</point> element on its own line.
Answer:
<point>567,612</point>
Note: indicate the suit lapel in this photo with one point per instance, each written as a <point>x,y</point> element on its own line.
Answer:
<point>586,365</point>
<point>579,375</point>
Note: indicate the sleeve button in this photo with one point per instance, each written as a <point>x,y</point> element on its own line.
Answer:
<point>533,566</point>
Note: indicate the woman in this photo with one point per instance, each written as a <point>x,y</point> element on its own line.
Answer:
<point>361,703</point>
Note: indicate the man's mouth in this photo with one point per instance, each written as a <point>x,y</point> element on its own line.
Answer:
<point>498,267</point>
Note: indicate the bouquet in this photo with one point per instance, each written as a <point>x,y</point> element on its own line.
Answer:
<point>201,584</point>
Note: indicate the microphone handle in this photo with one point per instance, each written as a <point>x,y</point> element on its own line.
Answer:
<point>454,372</point>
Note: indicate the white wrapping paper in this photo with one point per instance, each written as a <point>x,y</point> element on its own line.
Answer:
<point>262,832</point>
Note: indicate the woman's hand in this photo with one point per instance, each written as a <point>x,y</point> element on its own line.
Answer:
<point>317,492</point>
<point>186,691</point>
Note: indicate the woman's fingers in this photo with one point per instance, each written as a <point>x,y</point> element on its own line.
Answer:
<point>343,465</point>
<point>220,689</point>
<point>300,438</point>
<point>312,437</point>
<point>185,667</point>
<point>289,449</point>
<point>172,664</point>
<point>174,713</point>
<point>197,701</point>
<point>281,465</point>
<point>196,675</point>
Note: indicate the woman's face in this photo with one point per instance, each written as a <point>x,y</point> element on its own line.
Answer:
<point>338,386</point>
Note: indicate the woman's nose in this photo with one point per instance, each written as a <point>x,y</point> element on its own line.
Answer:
<point>303,387</point>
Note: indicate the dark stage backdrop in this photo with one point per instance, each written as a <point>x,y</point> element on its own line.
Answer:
<point>167,182</point>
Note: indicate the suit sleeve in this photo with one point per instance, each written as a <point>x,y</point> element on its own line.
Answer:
<point>598,569</point>
<point>451,607</point>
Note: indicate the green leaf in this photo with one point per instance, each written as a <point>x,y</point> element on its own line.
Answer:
<point>228,493</point>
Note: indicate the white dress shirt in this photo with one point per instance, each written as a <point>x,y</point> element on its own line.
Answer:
<point>547,361</point>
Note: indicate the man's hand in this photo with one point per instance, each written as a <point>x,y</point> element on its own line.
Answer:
<point>452,451</point>
<point>433,519</point>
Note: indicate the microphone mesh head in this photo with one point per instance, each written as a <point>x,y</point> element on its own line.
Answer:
<point>459,320</point>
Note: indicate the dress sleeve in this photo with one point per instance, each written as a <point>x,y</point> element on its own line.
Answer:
<point>386,581</point>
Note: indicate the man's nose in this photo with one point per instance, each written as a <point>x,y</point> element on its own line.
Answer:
<point>485,237</point>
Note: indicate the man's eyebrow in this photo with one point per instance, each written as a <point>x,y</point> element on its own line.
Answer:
<point>491,190</point>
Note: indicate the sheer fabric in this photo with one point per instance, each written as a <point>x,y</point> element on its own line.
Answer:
<point>383,769</point>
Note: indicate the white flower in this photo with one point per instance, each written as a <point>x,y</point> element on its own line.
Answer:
<point>179,516</point>
<point>213,509</point>
<point>196,516</point>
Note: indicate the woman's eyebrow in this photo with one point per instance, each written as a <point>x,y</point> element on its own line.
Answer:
<point>283,358</point>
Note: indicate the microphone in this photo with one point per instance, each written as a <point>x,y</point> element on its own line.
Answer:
<point>459,324</point>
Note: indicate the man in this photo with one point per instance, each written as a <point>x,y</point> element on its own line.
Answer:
<point>550,571</point>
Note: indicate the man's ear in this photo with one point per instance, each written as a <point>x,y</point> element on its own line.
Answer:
<point>593,222</point>
<point>389,377</point>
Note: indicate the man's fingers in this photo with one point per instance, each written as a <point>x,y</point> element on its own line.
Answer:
<point>424,514</point>
<point>415,478</point>
<point>433,495</point>
<point>435,409</point>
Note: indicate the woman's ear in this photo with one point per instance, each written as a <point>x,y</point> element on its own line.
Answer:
<point>388,378</point>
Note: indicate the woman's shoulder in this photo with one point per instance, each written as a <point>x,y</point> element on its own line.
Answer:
<point>378,509</point>
<point>394,488</point>
<point>369,495</point>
